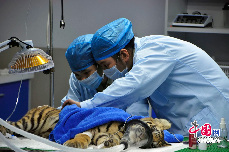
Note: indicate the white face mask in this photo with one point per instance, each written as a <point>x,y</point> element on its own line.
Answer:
<point>113,73</point>
<point>92,82</point>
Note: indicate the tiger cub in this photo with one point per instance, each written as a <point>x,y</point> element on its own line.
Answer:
<point>42,120</point>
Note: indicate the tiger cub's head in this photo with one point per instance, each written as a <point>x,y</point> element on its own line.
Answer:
<point>157,126</point>
<point>147,133</point>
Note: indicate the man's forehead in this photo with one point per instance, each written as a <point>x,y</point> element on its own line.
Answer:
<point>101,62</point>
<point>85,70</point>
<point>104,61</point>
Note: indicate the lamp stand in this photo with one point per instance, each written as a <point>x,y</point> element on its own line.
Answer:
<point>51,101</point>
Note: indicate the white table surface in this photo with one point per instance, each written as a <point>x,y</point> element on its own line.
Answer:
<point>29,143</point>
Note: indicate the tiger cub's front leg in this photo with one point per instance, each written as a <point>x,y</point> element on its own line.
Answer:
<point>81,140</point>
<point>107,140</point>
<point>108,134</point>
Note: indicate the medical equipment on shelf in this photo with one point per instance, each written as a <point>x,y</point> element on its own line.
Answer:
<point>192,20</point>
<point>27,60</point>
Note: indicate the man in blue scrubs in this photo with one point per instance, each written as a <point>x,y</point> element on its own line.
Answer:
<point>85,80</point>
<point>181,80</point>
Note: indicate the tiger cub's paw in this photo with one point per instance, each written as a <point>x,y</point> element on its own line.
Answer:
<point>109,141</point>
<point>79,141</point>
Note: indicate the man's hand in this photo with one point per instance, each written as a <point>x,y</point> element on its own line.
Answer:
<point>70,102</point>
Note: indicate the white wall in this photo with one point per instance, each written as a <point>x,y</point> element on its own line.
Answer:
<point>81,17</point>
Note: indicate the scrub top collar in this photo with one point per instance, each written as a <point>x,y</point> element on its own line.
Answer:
<point>136,45</point>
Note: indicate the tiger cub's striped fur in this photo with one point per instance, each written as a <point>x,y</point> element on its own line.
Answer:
<point>39,121</point>
<point>42,120</point>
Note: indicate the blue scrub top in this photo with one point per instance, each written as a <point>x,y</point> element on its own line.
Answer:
<point>79,93</point>
<point>183,82</point>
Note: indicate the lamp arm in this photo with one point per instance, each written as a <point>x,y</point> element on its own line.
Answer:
<point>16,42</point>
<point>13,41</point>
<point>3,44</point>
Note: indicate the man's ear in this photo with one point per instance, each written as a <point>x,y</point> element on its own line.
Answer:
<point>124,55</point>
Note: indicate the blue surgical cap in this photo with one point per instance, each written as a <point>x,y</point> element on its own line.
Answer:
<point>79,53</point>
<point>111,38</point>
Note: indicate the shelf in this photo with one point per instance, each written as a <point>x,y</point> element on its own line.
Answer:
<point>198,30</point>
<point>213,40</point>
<point>15,77</point>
